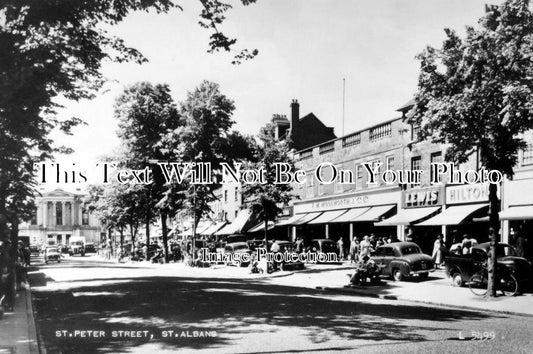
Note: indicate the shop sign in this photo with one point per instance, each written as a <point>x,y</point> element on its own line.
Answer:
<point>348,202</point>
<point>468,193</point>
<point>416,198</point>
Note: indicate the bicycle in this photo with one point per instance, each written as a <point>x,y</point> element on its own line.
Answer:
<point>506,282</point>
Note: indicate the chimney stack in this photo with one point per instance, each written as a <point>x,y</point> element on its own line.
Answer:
<point>295,115</point>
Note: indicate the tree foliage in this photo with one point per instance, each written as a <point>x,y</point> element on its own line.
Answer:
<point>476,94</point>
<point>267,200</point>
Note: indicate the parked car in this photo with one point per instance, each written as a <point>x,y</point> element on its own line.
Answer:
<point>35,250</point>
<point>324,245</point>
<point>287,246</point>
<point>52,254</point>
<point>64,249</point>
<point>237,247</point>
<point>89,248</point>
<point>403,259</point>
<point>460,268</point>
<point>255,244</point>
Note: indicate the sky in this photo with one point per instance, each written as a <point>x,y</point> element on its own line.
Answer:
<point>306,49</point>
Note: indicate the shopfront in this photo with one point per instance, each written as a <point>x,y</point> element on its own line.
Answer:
<point>345,216</point>
<point>517,213</point>
<point>418,205</point>
<point>464,212</point>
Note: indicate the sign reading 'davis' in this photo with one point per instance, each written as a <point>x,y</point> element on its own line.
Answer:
<point>422,197</point>
<point>348,202</point>
<point>468,193</point>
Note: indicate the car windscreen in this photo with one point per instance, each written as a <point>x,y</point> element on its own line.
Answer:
<point>410,250</point>
<point>241,247</point>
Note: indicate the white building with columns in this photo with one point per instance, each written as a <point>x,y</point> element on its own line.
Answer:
<point>60,216</point>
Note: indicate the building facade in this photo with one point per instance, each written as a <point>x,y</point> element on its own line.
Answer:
<point>60,216</point>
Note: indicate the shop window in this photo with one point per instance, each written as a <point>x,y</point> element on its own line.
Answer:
<point>527,155</point>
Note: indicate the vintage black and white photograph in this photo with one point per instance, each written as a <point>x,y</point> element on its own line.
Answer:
<point>266,176</point>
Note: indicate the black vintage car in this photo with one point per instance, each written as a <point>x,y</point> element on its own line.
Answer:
<point>460,268</point>
<point>403,259</point>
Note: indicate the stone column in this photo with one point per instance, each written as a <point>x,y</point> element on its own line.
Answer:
<point>351,231</point>
<point>45,214</point>
<point>54,216</point>
<point>39,213</point>
<point>327,230</point>
<point>63,213</point>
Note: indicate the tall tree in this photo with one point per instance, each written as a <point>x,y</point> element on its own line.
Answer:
<point>476,94</point>
<point>266,200</point>
<point>146,113</point>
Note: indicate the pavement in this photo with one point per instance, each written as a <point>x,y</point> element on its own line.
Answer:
<point>18,331</point>
<point>17,328</point>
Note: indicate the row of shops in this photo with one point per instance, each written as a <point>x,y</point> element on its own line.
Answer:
<point>418,214</point>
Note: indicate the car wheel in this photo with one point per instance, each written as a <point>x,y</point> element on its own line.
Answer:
<point>423,276</point>
<point>397,275</point>
<point>457,280</point>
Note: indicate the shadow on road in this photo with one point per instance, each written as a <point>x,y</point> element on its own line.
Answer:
<point>232,308</point>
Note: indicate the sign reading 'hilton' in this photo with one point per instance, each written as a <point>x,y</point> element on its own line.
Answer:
<point>470,193</point>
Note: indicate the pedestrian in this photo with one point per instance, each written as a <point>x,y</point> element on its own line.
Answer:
<point>299,245</point>
<point>365,248</point>
<point>437,251</point>
<point>520,245</point>
<point>22,265</point>
<point>340,244</point>
<point>354,249</point>
<point>274,248</point>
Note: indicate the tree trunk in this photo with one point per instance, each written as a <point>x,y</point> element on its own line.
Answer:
<point>266,233</point>
<point>121,239</point>
<point>165,234</point>
<point>148,218</point>
<point>494,220</point>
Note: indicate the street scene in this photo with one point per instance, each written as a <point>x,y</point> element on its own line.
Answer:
<point>259,176</point>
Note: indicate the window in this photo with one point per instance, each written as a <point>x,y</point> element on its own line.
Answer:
<point>359,176</point>
<point>351,140</point>
<point>527,155</point>
<point>376,173</point>
<point>390,163</point>
<point>225,195</point>
<point>436,157</point>
<point>236,212</point>
<point>236,194</point>
<point>380,132</point>
<point>415,132</point>
<point>310,187</point>
<point>59,214</point>
<point>415,163</point>
<point>84,218</point>
<point>33,220</point>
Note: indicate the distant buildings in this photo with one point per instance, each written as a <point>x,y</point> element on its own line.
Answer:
<point>60,216</point>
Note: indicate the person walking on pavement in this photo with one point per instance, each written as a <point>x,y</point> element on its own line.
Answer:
<point>366,248</point>
<point>437,252</point>
<point>274,249</point>
<point>354,249</point>
<point>340,244</point>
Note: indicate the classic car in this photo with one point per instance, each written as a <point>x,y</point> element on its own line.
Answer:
<point>52,254</point>
<point>461,267</point>
<point>89,248</point>
<point>403,259</point>
<point>323,245</point>
<point>287,246</point>
<point>237,247</point>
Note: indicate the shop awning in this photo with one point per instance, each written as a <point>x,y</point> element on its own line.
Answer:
<point>201,229</point>
<point>408,216</point>
<point>261,226</point>
<point>350,215</point>
<point>374,213</point>
<point>453,215</point>
<point>213,228</point>
<point>307,218</point>
<point>327,216</point>
<point>517,213</point>
<point>236,227</point>
<point>291,220</point>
